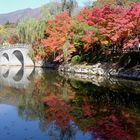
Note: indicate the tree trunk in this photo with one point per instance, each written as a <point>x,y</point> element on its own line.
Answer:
<point>63,5</point>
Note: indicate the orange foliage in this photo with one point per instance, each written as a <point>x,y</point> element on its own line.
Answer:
<point>57,31</point>
<point>13,39</point>
<point>84,15</point>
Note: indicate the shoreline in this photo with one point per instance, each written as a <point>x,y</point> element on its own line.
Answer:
<point>104,70</point>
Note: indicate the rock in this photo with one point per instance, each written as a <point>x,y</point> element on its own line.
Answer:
<point>101,70</point>
<point>96,65</point>
<point>78,70</point>
<point>113,72</point>
<point>39,63</point>
<point>85,70</point>
<point>93,71</point>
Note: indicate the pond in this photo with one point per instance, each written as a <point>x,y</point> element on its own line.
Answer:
<point>38,104</point>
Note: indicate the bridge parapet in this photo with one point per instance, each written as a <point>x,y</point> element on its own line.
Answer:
<point>11,46</point>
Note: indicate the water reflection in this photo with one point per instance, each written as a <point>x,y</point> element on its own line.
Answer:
<point>15,76</point>
<point>51,107</point>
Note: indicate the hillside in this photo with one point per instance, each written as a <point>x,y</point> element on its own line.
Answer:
<point>16,16</point>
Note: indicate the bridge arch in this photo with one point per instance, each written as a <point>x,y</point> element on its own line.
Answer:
<point>5,75</point>
<point>19,75</point>
<point>19,56</point>
<point>6,56</point>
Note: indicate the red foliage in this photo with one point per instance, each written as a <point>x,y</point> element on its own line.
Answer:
<point>122,3</point>
<point>117,25</point>
<point>87,39</point>
<point>57,31</point>
<point>84,15</point>
<point>13,39</point>
<point>57,111</point>
<point>87,110</point>
<point>114,127</point>
<point>10,40</point>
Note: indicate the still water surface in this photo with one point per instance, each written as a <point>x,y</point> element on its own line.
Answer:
<point>42,105</point>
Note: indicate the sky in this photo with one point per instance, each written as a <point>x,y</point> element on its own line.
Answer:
<point>7,6</point>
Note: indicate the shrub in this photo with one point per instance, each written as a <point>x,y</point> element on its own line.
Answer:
<point>76,59</point>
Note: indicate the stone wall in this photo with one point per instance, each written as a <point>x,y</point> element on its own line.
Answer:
<point>105,70</point>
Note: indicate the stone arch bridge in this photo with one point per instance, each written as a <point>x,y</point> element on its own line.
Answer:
<point>15,55</point>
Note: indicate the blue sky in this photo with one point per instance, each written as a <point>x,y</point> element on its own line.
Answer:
<point>12,5</point>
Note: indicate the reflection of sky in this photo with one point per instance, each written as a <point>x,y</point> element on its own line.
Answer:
<point>73,130</point>
<point>12,127</point>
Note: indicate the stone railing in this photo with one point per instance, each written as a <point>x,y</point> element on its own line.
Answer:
<point>11,46</point>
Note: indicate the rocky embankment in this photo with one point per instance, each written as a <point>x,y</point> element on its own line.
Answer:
<point>105,70</point>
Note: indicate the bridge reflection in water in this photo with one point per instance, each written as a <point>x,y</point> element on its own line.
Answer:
<point>17,77</point>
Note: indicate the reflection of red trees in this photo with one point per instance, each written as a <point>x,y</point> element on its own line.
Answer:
<point>87,109</point>
<point>109,123</point>
<point>57,111</point>
<point>111,126</point>
<point>103,121</point>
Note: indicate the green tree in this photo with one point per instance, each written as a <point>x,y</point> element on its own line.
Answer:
<point>3,34</point>
<point>30,30</point>
<point>69,5</point>
<point>50,10</point>
<point>2,29</point>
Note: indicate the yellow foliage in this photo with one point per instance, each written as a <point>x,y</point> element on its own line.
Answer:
<point>104,42</point>
<point>2,30</point>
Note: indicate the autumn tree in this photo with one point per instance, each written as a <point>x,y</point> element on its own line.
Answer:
<point>111,31</point>
<point>57,31</point>
<point>118,26</point>
<point>120,3</point>
<point>98,32</point>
